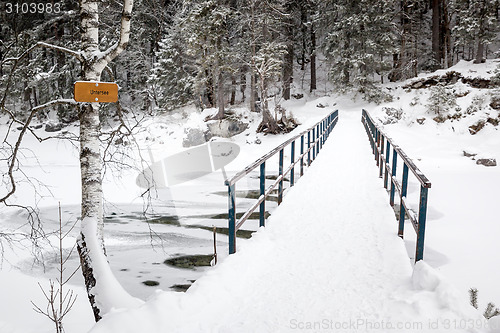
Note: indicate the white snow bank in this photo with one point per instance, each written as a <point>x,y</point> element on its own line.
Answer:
<point>427,279</point>
<point>17,315</point>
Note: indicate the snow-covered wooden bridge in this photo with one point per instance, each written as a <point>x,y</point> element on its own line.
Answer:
<point>329,259</point>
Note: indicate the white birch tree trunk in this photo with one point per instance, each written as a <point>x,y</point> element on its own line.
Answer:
<point>103,290</point>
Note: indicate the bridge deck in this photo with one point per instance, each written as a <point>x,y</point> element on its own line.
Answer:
<point>329,259</point>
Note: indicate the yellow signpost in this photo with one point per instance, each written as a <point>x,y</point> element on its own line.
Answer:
<point>100,92</point>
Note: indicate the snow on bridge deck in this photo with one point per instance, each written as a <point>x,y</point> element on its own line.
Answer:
<point>328,260</point>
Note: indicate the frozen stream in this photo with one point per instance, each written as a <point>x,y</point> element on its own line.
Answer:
<point>178,225</point>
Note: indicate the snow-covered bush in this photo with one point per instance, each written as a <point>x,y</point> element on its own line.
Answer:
<point>415,101</point>
<point>476,105</point>
<point>392,115</point>
<point>441,100</point>
<point>495,99</point>
<point>374,93</point>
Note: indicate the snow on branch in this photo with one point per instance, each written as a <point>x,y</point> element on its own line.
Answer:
<point>75,54</point>
<point>23,55</point>
<point>68,101</point>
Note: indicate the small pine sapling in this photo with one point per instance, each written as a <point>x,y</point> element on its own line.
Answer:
<point>441,100</point>
<point>490,311</point>
<point>473,297</point>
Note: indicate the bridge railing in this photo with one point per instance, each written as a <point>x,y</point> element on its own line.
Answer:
<point>310,143</point>
<point>381,146</point>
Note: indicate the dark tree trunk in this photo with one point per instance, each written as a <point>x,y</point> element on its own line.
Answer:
<point>448,52</point>
<point>243,85</point>
<point>233,90</point>
<point>403,56</point>
<point>253,93</point>
<point>313,59</point>
<point>288,69</point>
<point>303,19</point>
<point>480,38</point>
<point>268,123</point>
<point>210,90</point>
<point>347,73</point>
<point>220,97</point>
<point>480,53</point>
<point>395,74</point>
<point>436,33</point>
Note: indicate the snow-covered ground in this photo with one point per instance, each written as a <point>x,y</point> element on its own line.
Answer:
<point>463,223</point>
<point>461,238</point>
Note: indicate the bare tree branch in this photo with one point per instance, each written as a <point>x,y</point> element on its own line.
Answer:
<point>118,47</point>
<point>13,158</point>
<point>25,128</point>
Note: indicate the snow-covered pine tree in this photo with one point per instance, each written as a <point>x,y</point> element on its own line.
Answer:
<point>475,27</point>
<point>205,31</point>
<point>299,31</point>
<point>414,47</point>
<point>290,23</point>
<point>359,37</point>
<point>173,75</point>
<point>463,30</point>
<point>50,66</point>
<point>264,22</point>
<point>441,34</point>
<point>441,100</point>
<point>152,19</point>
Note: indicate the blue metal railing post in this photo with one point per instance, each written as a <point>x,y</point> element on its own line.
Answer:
<point>387,156</point>
<point>280,187</point>
<point>232,219</point>
<point>330,124</point>
<point>402,209</point>
<point>422,216</point>
<point>381,156</point>
<point>308,148</point>
<point>393,173</point>
<point>317,140</point>
<point>321,135</point>
<point>302,154</point>
<point>314,143</point>
<point>262,212</point>
<point>292,161</point>
<point>325,129</point>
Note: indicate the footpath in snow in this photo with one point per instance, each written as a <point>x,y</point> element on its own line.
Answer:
<point>328,260</point>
